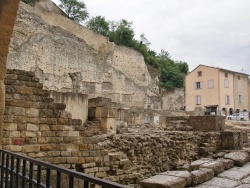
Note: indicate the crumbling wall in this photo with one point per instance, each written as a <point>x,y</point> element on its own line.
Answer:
<point>143,152</point>
<point>174,100</point>
<point>36,126</point>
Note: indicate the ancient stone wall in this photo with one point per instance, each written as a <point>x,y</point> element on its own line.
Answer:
<point>145,152</point>
<point>70,58</point>
<point>37,127</point>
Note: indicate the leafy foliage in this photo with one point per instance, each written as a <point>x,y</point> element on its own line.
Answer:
<point>122,33</point>
<point>75,10</point>
<point>30,2</point>
<point>99,25</point>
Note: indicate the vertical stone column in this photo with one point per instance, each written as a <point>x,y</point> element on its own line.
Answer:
<point>8,12</point>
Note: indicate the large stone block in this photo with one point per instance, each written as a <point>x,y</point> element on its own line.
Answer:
<point>195,165</point>
<point>31,148</point>
<point>201,175</point>
<point>108,125</point>
<point>216,166</point>
<point>163,181</point>
<point>14,110</point>
<point>32,112</point>
<point>228,163</point>
<point>10,127</point>
<point>106,112</point>
<point>99,101</point>
<point>231,140</point>
<point>207,123</point>
<point>239,158</point>
<point>182,174</point>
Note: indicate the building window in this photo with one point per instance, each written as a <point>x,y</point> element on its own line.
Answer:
<point>226,83</point>
<point>240,99</point>
<point>199,73</point>
<point>238,77</point>
<point>197,99</point>
<point>226,74</point>
<point>210,84</point>
<point>198,85</point>
<point>227,99</point>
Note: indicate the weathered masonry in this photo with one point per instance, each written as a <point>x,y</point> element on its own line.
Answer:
<point>36,126</point>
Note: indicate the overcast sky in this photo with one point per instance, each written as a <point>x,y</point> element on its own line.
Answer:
<point>209,32</point>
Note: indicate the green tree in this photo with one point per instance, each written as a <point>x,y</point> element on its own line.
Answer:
<point>122,33</point>
<point>171,78</point>
<point>99,25</point>
<point>75,10</point>
<point>183,67</point>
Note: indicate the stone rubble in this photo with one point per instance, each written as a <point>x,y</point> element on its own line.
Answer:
<point>36,126</point>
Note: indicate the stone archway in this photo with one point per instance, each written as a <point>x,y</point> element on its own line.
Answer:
<point>8,12</point>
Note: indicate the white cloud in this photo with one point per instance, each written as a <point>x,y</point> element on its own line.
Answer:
<point>211,32</point>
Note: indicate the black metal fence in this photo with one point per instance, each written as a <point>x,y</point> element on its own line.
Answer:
<point>24,172</point>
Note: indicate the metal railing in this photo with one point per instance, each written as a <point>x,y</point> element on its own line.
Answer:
<point>25,172</point>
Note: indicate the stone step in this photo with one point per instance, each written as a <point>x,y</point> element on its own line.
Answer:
<point>203,172</point>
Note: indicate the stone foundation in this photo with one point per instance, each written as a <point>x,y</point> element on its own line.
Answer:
<point>37,127</point>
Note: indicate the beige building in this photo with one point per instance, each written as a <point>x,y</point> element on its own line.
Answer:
<point>215,90</point>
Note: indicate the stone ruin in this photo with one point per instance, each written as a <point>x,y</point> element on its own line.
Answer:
<point>148,142</point>
<point>119,144</point>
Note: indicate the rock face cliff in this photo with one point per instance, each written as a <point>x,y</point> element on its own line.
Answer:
<point>70,58</point>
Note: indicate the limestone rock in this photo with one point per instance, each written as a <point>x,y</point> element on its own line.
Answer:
<point>227,162</point>
<point>182,174</point>
<point>99,101</point>
<point>216,166</point>
<point>234,174</point>
<point>201,175</point>
<point>239,158</point>
<point>196,164</point>
<point>162,181</point>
